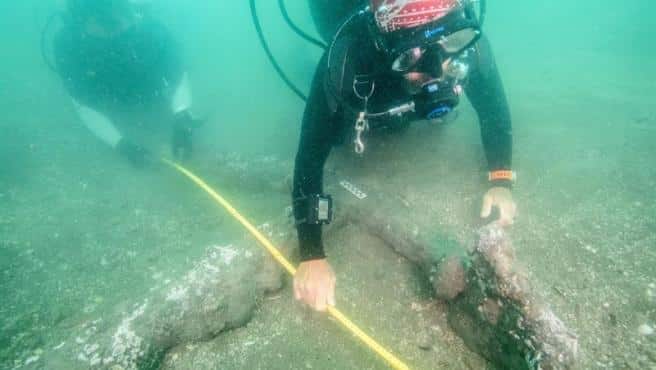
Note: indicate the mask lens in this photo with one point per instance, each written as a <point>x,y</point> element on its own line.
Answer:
<point>459,40</point>
<point>407,59</point>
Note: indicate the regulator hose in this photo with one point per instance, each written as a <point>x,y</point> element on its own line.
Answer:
<point>272,59</point>
<point>295,28</point>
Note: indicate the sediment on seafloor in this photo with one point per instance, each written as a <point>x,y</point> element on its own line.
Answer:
<point>492,305</point>
<point>217,294</point>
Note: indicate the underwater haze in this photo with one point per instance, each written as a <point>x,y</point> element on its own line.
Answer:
<point>113,260</point>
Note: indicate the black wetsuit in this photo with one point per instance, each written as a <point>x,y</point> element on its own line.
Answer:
<point>329,115</point>
<point>329,14</point>
<point>141,66</point>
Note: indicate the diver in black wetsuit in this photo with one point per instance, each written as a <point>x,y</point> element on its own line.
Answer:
<point>112,59</point>
<point>395,62</point>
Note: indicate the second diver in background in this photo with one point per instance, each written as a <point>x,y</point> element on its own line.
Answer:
<point>111,58</point>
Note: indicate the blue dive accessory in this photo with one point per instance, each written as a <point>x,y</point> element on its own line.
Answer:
<point>437,99</point>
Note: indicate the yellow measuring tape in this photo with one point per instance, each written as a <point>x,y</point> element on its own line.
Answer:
<point>389,357</point>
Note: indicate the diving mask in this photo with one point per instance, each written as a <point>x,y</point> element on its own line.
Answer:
<point>449,45</point>
<point>449,35</point>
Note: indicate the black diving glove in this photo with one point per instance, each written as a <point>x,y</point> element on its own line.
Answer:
<point>183,126</point>
<point>136,154</point>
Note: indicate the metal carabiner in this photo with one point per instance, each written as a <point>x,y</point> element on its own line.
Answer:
<point>361,126</point>
<point>363,80</point>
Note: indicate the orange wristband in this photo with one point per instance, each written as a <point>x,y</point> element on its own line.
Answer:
<point>501,175</point>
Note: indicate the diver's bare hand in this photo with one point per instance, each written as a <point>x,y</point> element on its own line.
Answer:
<point>501,198</point>
<point>314,284</point>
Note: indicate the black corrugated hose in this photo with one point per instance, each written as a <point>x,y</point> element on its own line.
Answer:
<point>272,59</point>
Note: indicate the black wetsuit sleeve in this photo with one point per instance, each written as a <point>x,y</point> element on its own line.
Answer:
<point>317,138</point>
<point>485,91</point>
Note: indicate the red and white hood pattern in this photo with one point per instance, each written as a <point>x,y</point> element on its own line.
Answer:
<point>392,15</point>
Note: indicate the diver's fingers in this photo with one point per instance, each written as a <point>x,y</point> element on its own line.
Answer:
<point>297,289</point>
<point>507,214</point>
<point>310,296</point>
<point>320,306</point>
<point>513,210</point>
<point>331,292</point>
<point>320,300</point>
<point>487,206</point>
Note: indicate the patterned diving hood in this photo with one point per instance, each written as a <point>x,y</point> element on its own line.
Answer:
<point>392,15</point>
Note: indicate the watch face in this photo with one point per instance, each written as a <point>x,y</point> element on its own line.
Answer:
<point>323,211</point>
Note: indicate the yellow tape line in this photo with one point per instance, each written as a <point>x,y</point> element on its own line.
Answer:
<point>394,362</point>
